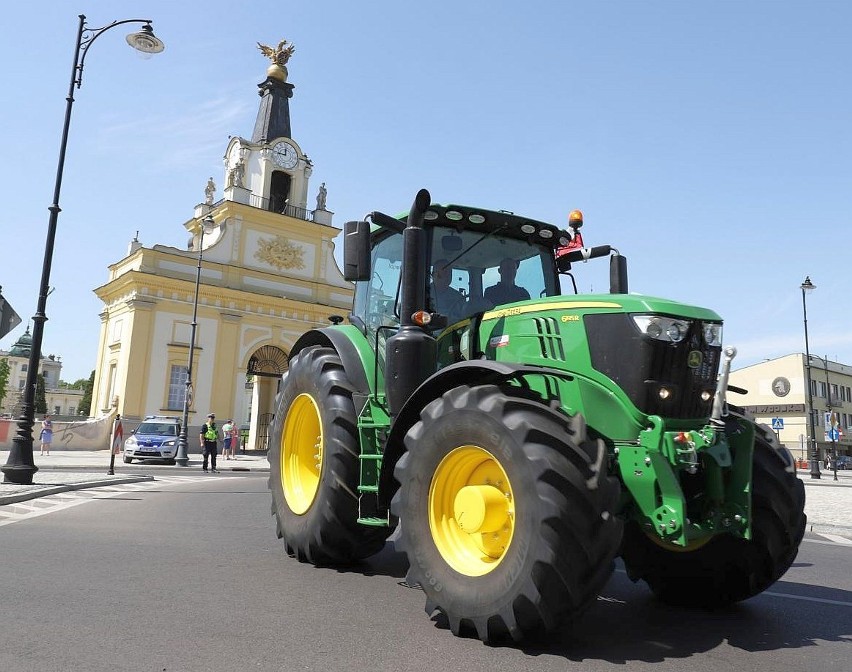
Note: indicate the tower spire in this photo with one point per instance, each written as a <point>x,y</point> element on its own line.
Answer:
<point>273,116</point>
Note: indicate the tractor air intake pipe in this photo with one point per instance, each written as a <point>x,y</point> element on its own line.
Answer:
<point>411,352</point>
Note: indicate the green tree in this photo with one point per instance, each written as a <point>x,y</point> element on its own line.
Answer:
<point>40,398</point>
<point>4,379</point>
<point>86,403</point>
<point>79,384</point>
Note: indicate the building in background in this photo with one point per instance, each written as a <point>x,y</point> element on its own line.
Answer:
<point>268,275</point>
<point>778,396</point>
<point>60,401</point>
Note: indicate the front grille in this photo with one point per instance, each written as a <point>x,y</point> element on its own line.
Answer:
<point>641,366</point>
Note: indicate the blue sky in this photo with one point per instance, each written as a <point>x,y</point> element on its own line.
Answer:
<point>708,141</point>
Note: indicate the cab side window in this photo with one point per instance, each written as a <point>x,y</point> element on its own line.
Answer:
<point>377,299</point>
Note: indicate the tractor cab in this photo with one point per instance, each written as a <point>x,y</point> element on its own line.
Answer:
<point>423,276</point>
<point>463,264</point>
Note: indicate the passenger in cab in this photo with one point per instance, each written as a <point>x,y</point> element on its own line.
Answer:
<point>506,291</point>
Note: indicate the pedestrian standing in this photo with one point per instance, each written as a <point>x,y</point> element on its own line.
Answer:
<point>46,435</point>
<point>235,441</point>
<point>227,438</point>
<point>209,438</point>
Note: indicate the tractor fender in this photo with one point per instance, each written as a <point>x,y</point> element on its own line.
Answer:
<point>343,343</point>
<point>475,372</point>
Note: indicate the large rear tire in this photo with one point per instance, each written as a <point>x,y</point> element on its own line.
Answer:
<point>727,569</point>
<point>506,513</point>
<point>314,470</point>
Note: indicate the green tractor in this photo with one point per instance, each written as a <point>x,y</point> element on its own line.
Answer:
<point>519,439</point>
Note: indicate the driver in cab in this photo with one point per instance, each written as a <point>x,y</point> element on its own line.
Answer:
<point>506,291</point>
<point>448,301</point>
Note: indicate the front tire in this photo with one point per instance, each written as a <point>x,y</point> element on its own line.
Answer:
<point>314,466</point>
<point>728,569</point>
<point>506,513</point>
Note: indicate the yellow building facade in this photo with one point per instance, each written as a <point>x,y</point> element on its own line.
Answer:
<point>778,394</point>
<point>267,275</point>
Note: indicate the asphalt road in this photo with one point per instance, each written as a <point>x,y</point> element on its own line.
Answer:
<point>186,574</point>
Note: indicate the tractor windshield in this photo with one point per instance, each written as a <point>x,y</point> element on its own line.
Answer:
<point>472,271</point>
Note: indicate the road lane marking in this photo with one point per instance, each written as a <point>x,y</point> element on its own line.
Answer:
<point>19,511</point>
<point>806,598</point>
<point>840,541</point>
<point>836,538</point>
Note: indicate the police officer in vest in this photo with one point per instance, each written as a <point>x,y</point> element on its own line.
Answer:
<point>209,438</point>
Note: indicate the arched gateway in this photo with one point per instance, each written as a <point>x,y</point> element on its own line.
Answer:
<point>265,367</point>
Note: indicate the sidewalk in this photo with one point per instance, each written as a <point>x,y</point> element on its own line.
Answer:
<point>828,503</point>
<point>65,470</point>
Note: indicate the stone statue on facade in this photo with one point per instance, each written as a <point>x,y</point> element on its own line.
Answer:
<point>209,191</point>
<point>321,196</point>
<point>236,174</point>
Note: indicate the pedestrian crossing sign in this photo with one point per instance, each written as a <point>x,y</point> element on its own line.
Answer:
<point>777,423</point>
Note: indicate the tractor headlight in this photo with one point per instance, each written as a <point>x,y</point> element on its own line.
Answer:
<point>676,331</point>
<point>712,333</point>
<point>661,328</point>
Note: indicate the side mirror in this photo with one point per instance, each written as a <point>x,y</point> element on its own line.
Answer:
<point>617,274</point>
<point>356,251</point>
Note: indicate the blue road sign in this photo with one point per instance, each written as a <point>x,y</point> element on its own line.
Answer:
<point>833,435</point>
<point>777,423</point>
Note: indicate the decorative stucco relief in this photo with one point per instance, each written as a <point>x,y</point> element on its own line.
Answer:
<point>280,253</point>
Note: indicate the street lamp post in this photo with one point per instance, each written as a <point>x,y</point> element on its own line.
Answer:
<point>19,467</point>
<point>808,286</point>
<point>182,457</point>
<point>830,414</point>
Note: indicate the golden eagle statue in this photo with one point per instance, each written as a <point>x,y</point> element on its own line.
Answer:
<point>278,55</point>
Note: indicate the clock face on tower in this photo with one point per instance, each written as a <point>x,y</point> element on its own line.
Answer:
<point>284,155</point>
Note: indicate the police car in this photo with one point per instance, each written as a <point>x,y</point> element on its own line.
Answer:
<point>155,438</point>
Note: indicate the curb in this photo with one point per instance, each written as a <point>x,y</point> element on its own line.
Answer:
<point>828,528</point>
<point>47,490</point>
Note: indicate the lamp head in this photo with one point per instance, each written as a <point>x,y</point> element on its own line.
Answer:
<point>145,42</point>
<point>807,285</point>
<point>208,224</point>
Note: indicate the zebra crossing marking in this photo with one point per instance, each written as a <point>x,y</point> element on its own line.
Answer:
<point>33,508</point>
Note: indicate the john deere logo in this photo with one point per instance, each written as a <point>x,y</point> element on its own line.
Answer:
<point>694,360</point>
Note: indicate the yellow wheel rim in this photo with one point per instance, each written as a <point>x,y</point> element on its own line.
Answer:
<point>471,510</point>
<point>301,454</point>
